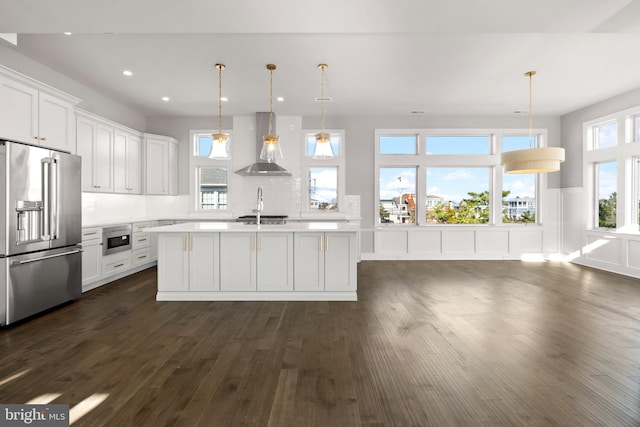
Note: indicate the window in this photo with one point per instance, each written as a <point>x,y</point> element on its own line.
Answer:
<point>397,200</point>
<point>210,176</point>
<point>398,144</point>
<point>454,177</point>
<point>637,201</point>
<point>605,135</point>
<point>606,183</point>
<point>452,144</point>
<point>458,196</point>
<point>518,190</point>
<point>212,188</point>
<point>323,190</point>
<point>636,136</point>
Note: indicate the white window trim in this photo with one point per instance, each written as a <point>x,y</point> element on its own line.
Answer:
<point>627,171</point>
<point>422,161</point>
<point>307,162</point>
<point>196,162</point>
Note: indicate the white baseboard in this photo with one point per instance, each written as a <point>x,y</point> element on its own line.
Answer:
<point>257,296</point>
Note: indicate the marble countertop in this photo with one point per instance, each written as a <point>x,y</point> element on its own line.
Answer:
<point>213,227</point>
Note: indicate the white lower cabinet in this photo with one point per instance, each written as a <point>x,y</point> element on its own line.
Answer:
<point>140,256</point>
<point>116,263</point>
<point>188,262</point>
<point>91,255</point>
<point>204,262</point>
<point>256,262</point>
<point>325,262</point>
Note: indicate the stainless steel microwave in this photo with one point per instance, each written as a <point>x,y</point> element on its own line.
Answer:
<point>116,239</point>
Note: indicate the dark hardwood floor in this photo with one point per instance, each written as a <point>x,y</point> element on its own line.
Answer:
<point>429,343</point>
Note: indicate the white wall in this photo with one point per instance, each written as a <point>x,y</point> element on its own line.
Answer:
<point>608,250</point>
<point>92,101</point>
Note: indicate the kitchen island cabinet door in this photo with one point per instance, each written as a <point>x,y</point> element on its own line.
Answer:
<point>340,262</point>
<point>274,262</point>
<point>173,262</point>
<point>309,262</point>
<point>237,262</point>
<point>204,262</point>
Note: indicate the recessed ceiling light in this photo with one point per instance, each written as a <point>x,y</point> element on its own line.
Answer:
<point>224,99</point>
<point>127,73</point>
<point>166,99</point>
<point>67,33</point>
<point>280,99</point>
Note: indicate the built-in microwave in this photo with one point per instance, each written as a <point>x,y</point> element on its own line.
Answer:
<point>116,239</point>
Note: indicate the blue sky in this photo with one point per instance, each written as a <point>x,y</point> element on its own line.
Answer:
<point>607,179</point>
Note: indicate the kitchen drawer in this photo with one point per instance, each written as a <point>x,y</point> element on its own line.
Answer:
<point>116,263</point>
<point>141,256</point>
<point>91,233</point>
<point>140,240</point>
<point>140,226</point>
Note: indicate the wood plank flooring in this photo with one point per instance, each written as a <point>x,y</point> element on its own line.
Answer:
<point>429,343</point>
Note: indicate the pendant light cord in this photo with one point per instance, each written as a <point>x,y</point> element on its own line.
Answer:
<point>322,99</point>
<point>220,99</point>
<point>530,74</point>
<point>270,100</point>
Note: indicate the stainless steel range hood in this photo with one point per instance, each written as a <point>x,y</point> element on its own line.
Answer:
<point>262,167</point>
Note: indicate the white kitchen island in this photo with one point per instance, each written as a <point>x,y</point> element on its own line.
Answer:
<point>229,261</point>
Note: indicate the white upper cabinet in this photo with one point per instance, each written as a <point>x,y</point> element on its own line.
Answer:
<point>127,163</point>
<point>161,161</point>
<point>35,113</point>
<point>111,155</point>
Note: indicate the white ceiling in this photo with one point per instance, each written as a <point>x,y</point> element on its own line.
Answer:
<point>385,57</point>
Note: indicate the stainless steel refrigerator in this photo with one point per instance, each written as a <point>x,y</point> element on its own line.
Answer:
<point>40,216</point>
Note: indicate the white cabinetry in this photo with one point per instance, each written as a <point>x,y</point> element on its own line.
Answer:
<point>161,160</point>
<point>91,255</point>
<point>111,156</point>
<point>36,113</point>
<point>325,262</point>
<point>127,162</point>
<point>116,263</point>
<point>188,262</point>
<point>256,262</point>
<point>140,244</point>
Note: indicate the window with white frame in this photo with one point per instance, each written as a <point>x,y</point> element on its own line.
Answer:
<point>209,175</point>
<point>453,176</point>
<point>323,178</point>
<point>612,171</point>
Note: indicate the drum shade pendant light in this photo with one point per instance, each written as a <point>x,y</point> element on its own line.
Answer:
<point>220,143</point>
<point>322,148</point>
<point>533,159</point>
<point>270,143</point>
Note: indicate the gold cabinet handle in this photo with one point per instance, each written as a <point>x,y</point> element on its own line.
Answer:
<point>326,244</point>
<point>43,139</point>
<point>252,244</point>
<point>191,243</point>
<point>142,240</point>
<point>142,257</point>
<point>118,265</point>
<point>184,243</point>
<point>258,242</point>
<point>91,233</point>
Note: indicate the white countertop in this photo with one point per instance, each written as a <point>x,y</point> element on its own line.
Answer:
<point>209,227</point>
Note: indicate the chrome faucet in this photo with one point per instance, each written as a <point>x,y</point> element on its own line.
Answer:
<point>259,205</point>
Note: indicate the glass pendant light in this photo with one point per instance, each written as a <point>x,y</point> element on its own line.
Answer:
<point>533,159</point>
<point>220,143</point>
<point>270,143</point>
<point>322,148</point>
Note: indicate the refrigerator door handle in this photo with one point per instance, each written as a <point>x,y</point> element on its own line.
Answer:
<point>27,261</point>
<point>54,218</point>
<point>45,198</point>
<point>50,198</point>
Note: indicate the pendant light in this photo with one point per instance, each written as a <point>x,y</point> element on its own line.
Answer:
<point>270,147</point>
<point>533,159</point>
<point>322,148</point>
<point>220,143</point>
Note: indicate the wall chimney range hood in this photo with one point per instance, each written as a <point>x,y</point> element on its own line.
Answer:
<point>262,167</point>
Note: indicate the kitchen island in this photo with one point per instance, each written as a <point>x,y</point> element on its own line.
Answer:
<point>230,261</point>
